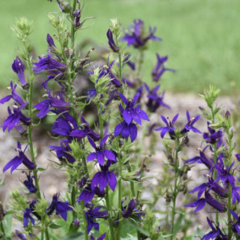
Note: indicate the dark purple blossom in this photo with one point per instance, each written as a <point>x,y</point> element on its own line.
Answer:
<point>104,178</point>
<point>136,34</point>
<point>111,41</point>
<point>189,126</point>
<point>100,238</point>
<point>212,136</point>
<point>63,150</point>
<point>20,235</point>
<point>91,215</point>
<point>128,62</point>
<point>27,217</point>
<point>29,183</point>
<point>100,153</point>
<point>64,6</point>
<point>169,127</point>
<point>15,118</point>
<point>84,131</point>
<point>238,157</point>
<point>91,93</point>
<point>60,207</point>
<point>49,64</point>
<point>50,42</point>
<point>160,68</point>
<point>77,18</point>
<point>131,210</point>
<point>215,233</point>
<point>154,100</point>
<point>57,103</point>
<point>21,158</point>
<point>18,67</point>
<point>126,130</point>
<point>132,112</point>
<point>236,225</point>
<point>15,96</point>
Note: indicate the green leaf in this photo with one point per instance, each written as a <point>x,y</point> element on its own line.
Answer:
<point>138,228</point>
<point>54,226</point>
<point>7,224</point>
<point>73,236</point>
<point>178,225</point>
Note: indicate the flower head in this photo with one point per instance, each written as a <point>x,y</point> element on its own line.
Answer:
<point>50,42</point>
<point>21,158</point>
<point>29,183</point>
<point>18,67</point>
<point>100,238</point>
<point>111,41</point>
<point>212,136</point>
<point>189,126</point>
<point>60,207</point>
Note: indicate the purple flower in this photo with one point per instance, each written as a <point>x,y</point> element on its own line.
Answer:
<point>213,136</point>
<point>91,94</point>
<point>64,6</point>
<point>84,131</point>
<point>160,68</point>
<point>235,194</point>
<point>100,152</point>
<point>27,217</point>
<point>15,118</point>
<point>223,173</point>
<point>131,210</point>
<point>131,112</point>
<point>63,151</point>
<point>169,127</point>
<point>136,34</point>
<point>91,215</point>
<point>60,207</point>
<point>29,184</point>
<point>49,64</point>
<point>216,233</point>
<point>57,103</point>
<point>21,158</point>
<point>238,157</point>
<point>104,178</point>
<point>20,235</point>
<point>111,42</point>
<point>128,62</point>
<point>100,238</point>
<point>77,18</point>
<point>126,130</point>
<point>18,99</point>
<point>189,126</point>
<point>18,67</point>
<point>154,100</point>
<point>50,42</point>
<point>236,225</point>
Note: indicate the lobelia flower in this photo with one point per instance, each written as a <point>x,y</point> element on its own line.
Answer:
<point>87,194</point>
<point>29,183</point>
<point>84,131</point>
<point>100,152</point>
<point>91,215</point>
<point>63,151</point>
<point>18,67</point>
<point>216,233</point>
<point>64,6</point>
<point>128,62</point>
<point>238,157</point>
<point>58,103</point>
<point>18,99</point>
<point>100,238</point>
<point>15,118</point>
<point>154,100</point>
<point>126,130</point>
<point>160,68</point>
<point>60,207</point>
<point>20,235</point>
<point>21,158</point>
<point>191,121</point>
<point>49,64</point>
<point>50,42</point>
<point>235,194</point>
<point>213,136</point>
<point>236,225</point>
<point>169,128</point>
<point>131,210</point>
<point>91,93</point>
<point>104,178</point>
<point>131,112</point>
<point>136,34</point>
<point>27,217</point>
<point>111,42</point>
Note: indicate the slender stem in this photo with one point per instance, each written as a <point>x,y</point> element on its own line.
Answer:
<point>175,193</point>
<point>228,212</point>
<point>120,66</point>
<point>85,221</point>
<point>131,183</point>
<point>30,127</point>
<point>109,218</point>
<point>42,230</point>
<point>47,234</point>
<point>140,63</point>
<point>100,122</point>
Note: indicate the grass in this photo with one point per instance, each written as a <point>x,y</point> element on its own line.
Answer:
<point>201,37</point>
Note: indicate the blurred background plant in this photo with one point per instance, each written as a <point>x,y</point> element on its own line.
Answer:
<point>200,37</point>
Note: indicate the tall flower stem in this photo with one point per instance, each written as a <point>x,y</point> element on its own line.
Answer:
<point>109,218</point>
<point>140,63</point>
<point>175,191</point>
<point>85,221</point>
<point>228,212</point>
<point>30,141</point>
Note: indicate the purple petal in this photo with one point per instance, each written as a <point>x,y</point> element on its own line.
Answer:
<point>91,157</point>
<point>109,155</point>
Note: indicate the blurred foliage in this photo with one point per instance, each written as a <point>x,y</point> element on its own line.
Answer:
<point>201,37</point>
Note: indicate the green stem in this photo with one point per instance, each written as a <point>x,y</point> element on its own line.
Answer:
<point>42,230</point>
<point>120,66</point>
<point>140,63</point>
<point>84,220</point>
<point>175,193</point>
<point>109,218</point>
<point>228,212</point>
<point>131,183</point>
<point>47,234</point>
<point>30,141</point>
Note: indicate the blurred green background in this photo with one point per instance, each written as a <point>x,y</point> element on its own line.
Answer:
<point>201,37</point>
